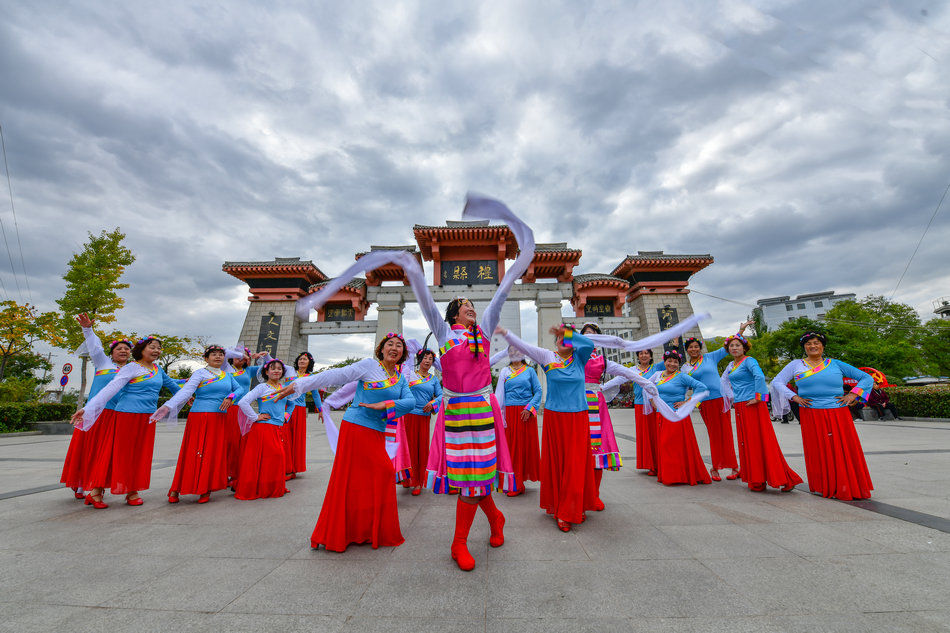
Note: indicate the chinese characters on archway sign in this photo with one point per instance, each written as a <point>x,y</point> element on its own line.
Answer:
<point>599,308</point>
<point>270,334</point>
<point>668,318</point>
<point>469,273</point>
<point>340,313</point>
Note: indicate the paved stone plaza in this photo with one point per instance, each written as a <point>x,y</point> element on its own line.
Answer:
<point>704,558</point>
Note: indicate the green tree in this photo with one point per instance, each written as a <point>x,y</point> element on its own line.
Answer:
<point>26,365</point>
<point>935,346</point>
<point>21,326</point>
<point>879,333</point>
<point>92,282</point>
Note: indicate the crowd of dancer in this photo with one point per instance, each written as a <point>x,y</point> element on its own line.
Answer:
<point>483,440</point>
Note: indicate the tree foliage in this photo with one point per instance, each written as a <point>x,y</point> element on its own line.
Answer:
<point>92,282</point>
<point>21,325</point>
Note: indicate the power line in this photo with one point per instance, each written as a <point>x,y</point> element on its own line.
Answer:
<point>16,227</point>
<point>706,294</point>
<point>927,228</point>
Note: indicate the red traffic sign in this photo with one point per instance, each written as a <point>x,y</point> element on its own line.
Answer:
<point>63,380</point>
<point>67,368</point>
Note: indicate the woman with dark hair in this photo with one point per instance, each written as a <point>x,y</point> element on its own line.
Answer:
<point>85,445</point>
<point>261,473</point>
<point>360,502</point>
<point>125,463</point>
<point>678,458</point>
<point>239,366</point>
<point>714,410</point>
<point>203,458</point>
<point>296,430</point>
<point>760,459</point>
<point>646,423</point>
<point>518,392</point>
<point>834,458</point>
<point>427,391</point>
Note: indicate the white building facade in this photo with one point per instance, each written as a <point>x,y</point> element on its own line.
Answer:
<point>777,310</point>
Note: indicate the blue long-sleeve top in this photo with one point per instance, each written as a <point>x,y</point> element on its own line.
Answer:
<point>375,384</point>
<point>244,376</point>
<point>748,381</point>
<point>265,395</point>
<point>822,384</point>
<point>565,377</point>
<point>140,387</point>
<point>706,371</point>
<point>426,390</point>
<point>673,388</point>
<point>210,388</point>
<point>301,399</point>
<point>637,389</point>
<point>523,389</point>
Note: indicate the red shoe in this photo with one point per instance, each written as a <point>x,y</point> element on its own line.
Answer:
<point>651,472</point>
<point>514,493</point>
<point>564,526</point>
<point>172,498</point>
<point>599,505</point>
<point>733,475</point>
<point>134,502</point>
<point>788,487</point>
<point>461,555</point>
<point>757,487</point>
<point>205,498</point>
<point>715,477</point>
<point>416,492</point>
<point>98,505</point>
<point>497,538</point>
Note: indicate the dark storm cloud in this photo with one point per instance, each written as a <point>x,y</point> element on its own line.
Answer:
<point>803,145</point>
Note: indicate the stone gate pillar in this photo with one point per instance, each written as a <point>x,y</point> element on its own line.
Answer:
<point>390,308</point>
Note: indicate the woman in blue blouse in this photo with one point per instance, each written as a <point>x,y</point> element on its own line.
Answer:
<point>263,449</point>
<point>714,410</point>
<point>427,391</point>
<point>646,423</point>
<point>680,461</point>
<point>760,459</point>
<point>834,459</point>
<point>519,395</point>
<point>360,502</point>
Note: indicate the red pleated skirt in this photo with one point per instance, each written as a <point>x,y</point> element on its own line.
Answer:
<point>646,426</point>
<point>74,468</point>
<point>203,458</point>
<point>98,448</point>
<point>567,465</point>
<point>417,434</point>
<point>718,423</point>
<point>132,453</point>
<point>834,459</point>
<point>262,464</point>
<point>232,441</point>
<point>287,440</point>
<point>360,503</point>
<point>760,458</point>
<point>523,445</point>
<point>678,454</point>
<point>297,431</point>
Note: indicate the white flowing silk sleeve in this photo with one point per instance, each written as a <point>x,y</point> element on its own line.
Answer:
<point>335,400</point>
<point>611,388</point>
<point>94,349</point>
<point>725,386</point>
<point>648,386</point>
<point>673,415</point>
<point>497,357</point>
<point>336,376</point>
<point>779,393</point>
<point>500,392</point>
<point>98,402</point>
<point>654,340</point>
<point>485,208</point>
<point>245,402</point>
<point>537,354</point>
<point>234,353</point>
<point>178,400</point>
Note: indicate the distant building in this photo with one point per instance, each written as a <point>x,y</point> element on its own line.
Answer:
<point>777,310</point>
<point>942,307</point>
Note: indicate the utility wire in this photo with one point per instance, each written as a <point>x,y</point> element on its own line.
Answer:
<point>706,294</point>
<point>16,227</point>
<point>927,228</point>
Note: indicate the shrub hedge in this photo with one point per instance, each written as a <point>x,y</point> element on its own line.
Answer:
<point>932,401</point>
<point>17,416</point>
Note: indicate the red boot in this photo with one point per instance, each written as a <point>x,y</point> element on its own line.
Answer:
<point>464,515</point>
<point>496,520</point>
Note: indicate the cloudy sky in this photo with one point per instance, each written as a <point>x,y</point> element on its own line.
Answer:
<point>804,145</point>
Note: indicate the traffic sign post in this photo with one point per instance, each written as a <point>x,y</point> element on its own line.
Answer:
<point>67,368</point>
<point>64,380</point>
